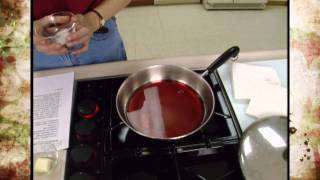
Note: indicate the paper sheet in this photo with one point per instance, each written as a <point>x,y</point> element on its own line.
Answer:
<point>271,101</point>
<point>248,79</point>
<point>52,101</point>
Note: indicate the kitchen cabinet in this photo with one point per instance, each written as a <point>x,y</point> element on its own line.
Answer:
<point>249,1</point>
<point>220,1</point>
<point>234,4</point>
<point>159,2</point>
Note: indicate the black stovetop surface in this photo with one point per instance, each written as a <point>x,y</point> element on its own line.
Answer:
<point>107,149</point>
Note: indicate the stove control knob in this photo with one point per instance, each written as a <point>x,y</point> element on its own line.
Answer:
<point>85,130</point>
<point>83,156</point>
<point>88,108</point>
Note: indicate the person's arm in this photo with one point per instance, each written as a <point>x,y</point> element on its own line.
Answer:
<point>90,22</point>
<point>109,8</point>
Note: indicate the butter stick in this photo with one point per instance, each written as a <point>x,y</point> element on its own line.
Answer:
<point>43,165</point>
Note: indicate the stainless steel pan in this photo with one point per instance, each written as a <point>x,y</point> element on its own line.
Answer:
<point>169,72</point>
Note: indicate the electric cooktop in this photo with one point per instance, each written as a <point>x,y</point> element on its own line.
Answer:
<point>102,147</point>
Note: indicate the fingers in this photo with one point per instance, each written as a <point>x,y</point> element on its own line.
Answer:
<point>37,40</point>
<point>82,40</point>
<point>83,49</point>
<point>61,19</point>
<point>77,18</point>
<point>57,19</point>
<point>52,49</point>
<point>78,37</point>
<point>82,37</point>
<point>47,47</point>
<point>44,21</point>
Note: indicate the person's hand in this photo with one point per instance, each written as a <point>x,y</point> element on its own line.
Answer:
<point>42,44</point>
<point>86,25</point>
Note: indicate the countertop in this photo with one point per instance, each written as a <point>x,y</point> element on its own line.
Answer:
<point>117,68</point>
<point>127,67</point>
<point>188,29</point>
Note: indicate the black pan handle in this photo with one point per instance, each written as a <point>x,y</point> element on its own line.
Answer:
<point>231,53</point>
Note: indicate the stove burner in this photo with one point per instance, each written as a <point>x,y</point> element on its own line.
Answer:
<point>85,130</point>
<point>81,176</point>
<point>83,156</point>
<point>88,108</point>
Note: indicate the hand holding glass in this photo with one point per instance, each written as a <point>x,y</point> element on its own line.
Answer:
<point>56,27</point>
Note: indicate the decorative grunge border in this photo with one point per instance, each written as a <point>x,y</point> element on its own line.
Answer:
<point>304,89</point>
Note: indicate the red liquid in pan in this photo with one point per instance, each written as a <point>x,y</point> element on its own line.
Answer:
<point>165,109</point>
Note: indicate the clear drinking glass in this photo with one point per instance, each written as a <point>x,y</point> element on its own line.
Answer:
<point>58,27</point>
<point>48,151</point>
